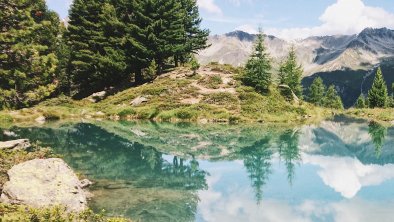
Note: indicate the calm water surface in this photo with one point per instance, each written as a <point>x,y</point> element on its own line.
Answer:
<point>340,170</point>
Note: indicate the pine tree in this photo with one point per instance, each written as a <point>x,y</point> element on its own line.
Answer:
<point>83,37</point>
<point>332,99</point>
<point>291,74</point>
<point>166,30</point>
<point>63,53</point>
<point>150,72</point>
<point>135,15</point>
<point>317,91</point>
<point>194,38</point>
<point>112,58</point>
<point>360,103</point>
<point>28,62</point>
<point>194,65</point>
<point>391,102</point>
<point>378,95</point>
<point>258,67</point>
<point>96,39</point>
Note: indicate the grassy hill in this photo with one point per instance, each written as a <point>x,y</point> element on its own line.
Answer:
<point>213,94</point>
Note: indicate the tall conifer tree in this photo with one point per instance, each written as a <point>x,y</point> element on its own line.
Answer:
<point>96,39</point>
<point>135,17</point>
<point>378,95</point>
<point>83,37</point>
<point>332,99</point>
<point>258,67</point>
<point>291,74</point>
<point>194,38</point>
<point>28,62</point>
<point>166,31</point>
<point>317,91</point>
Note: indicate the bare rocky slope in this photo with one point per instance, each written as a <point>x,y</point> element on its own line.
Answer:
<point>316,54</point>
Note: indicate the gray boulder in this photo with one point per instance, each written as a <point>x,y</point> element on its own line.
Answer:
<point>20,144</point>
<point>97,97</point>
<point>44,183</point>
<point>139,100</point>
<point>40,119</point>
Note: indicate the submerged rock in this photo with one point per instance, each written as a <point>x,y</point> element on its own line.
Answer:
<point>20,144</point>
<point>9,133</point>
<point>44,183</point>
<point>85,183</point>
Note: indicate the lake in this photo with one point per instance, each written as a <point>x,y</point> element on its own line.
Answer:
<point>339,170</point>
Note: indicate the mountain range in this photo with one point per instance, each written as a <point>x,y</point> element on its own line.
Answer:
<point>316,54</point>
<point>347,61</point>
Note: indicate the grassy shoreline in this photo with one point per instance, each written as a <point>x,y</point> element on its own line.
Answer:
<point>9,212</point>
<point>213,95</point>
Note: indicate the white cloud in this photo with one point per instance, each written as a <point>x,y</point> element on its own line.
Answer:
<point>209,6</point>
<point>247,28</point>
<point>343,17</point>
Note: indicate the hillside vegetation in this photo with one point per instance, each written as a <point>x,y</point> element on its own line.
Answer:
<point>213,94</point>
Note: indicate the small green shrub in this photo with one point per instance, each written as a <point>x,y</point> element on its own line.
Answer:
<point>185,114</point>
<point>154,91</point>
<point>195,65</point>
<point>146,112</point>
<point>212,82</point>
<point>166,115</point>
<point>51,115</point>
<point>222,98</point>
<point>55,214</point>
<point>234,119</point>
<point>126,112</point>
<point>5,118</point>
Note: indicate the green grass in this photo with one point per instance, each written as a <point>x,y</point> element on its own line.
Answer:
<point>211,82</point>
<point>165,96</point>
<point>225,68</point>
<point>224,99</point>
<point>53,214</point>
<point>378,114</point>
<point>5,120</point>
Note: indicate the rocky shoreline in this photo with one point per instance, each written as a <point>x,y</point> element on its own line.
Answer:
<point>43,183</point>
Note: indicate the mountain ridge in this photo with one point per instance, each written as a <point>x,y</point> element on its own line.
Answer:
<point>361,51</point>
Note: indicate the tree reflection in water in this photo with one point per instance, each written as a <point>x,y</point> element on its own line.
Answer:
<point>157,177</point>
<point>378,135</point>
<point>257,161</point>
<point>132,180</point>
<point>289,152</point>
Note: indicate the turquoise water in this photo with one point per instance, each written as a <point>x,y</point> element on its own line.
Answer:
<point>340,170</point>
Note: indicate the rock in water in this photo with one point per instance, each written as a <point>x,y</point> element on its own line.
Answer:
<point>15,144</point>
<point>44,183</point>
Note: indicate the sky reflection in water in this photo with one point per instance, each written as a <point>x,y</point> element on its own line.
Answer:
<point>341,170</point>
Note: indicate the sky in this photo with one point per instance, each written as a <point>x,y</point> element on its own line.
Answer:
<point>288,19</point>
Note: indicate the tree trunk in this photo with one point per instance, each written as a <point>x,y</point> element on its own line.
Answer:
<point>138,79</point>
<point>176,58</point>
<point>295,97</point>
